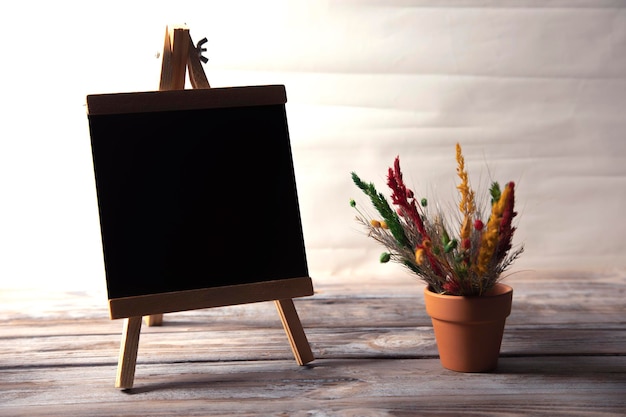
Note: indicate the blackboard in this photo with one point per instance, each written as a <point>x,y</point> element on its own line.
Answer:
<point>196,189</point>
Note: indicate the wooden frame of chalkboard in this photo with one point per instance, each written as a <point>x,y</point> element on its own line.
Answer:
<point>197,200</point>
<point>168,216</point>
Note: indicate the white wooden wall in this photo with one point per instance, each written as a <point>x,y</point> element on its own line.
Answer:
<point>535,92</point>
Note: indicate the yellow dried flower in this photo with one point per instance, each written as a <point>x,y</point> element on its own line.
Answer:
<point>375,223</point>
<point>383,224</point>
<point>419,256</point>
<point>490,235</point>
<point>466,205</point>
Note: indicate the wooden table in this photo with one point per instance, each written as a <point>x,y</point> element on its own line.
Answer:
<point>563,354</point>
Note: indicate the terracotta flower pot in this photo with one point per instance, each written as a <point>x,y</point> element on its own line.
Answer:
<point>469,330</point>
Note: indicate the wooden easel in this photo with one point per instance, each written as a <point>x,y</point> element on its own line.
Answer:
<point>180,57</point>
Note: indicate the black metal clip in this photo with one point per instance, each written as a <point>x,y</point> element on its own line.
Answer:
<point>200,49</point>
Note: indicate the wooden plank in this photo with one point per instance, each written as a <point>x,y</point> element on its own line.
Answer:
<point>590,386</point>
<point>268,343</point>
<point>336,313</point>
<point>571,308</point>
<point>580,299</point>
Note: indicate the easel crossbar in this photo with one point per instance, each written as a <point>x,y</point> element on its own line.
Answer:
<point>144,305</point>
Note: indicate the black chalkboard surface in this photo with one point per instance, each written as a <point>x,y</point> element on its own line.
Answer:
<point>195,189</point>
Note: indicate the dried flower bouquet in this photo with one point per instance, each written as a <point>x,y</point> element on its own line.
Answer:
<point>467,259</point>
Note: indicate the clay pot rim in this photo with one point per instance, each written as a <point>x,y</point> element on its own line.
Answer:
<point>476,308</point>
<point>498,290</point>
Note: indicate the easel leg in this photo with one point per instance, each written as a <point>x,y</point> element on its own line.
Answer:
<point>128,353</point>
<point>297,338</point>
<point>153,320</point>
